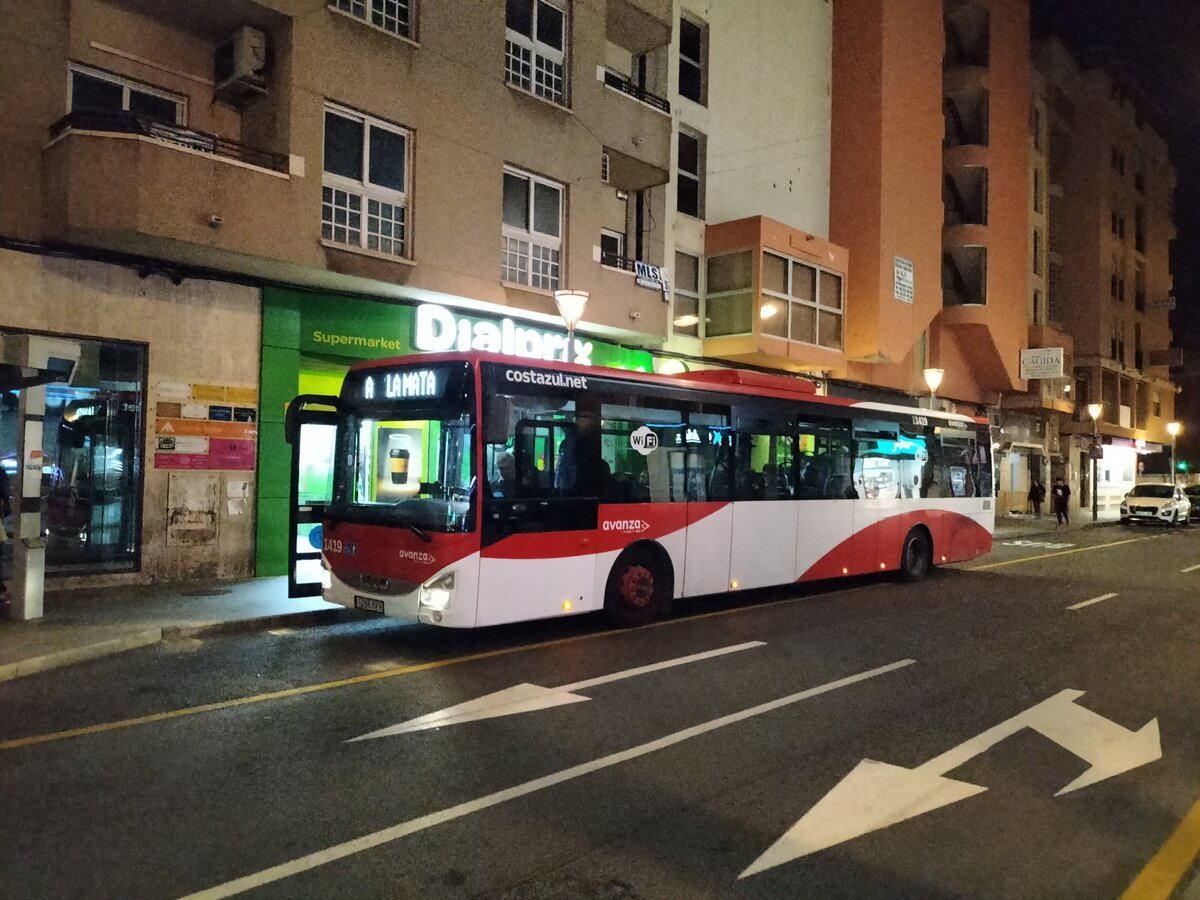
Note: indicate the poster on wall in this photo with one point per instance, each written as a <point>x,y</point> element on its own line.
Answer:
<point>192,508</point>
<point>205,427</point>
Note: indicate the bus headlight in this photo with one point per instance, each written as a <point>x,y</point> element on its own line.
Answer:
<point>438,593</point>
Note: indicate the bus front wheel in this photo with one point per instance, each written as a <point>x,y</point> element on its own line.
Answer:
<point>916,555</point>
<point>639,588</point>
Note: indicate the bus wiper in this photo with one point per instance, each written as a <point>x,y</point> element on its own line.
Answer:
<point>417,530</point>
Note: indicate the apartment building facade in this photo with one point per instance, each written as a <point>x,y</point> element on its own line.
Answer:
<point>1109,183</point>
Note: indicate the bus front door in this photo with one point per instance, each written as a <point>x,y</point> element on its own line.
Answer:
<point>311,430</point>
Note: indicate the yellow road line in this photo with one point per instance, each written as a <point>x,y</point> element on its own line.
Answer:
<point>373,676</point>
<point>1161,876</point>
<point>1025,559</point>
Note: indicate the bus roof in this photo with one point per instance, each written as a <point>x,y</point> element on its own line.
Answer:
<point>730,381</point>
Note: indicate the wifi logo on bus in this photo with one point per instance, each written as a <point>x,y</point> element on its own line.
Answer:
<point>644,441</point>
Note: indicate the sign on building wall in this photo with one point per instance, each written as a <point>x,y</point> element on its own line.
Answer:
<point>1042,362</point>
<point>902,282</point>
<point>205,426</point>
<point>653,277</point>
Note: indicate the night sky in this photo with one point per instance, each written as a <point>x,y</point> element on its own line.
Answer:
<point>1153,48</point>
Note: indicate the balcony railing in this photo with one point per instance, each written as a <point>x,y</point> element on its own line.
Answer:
<point>121,122</point>
<point>619,82</point>
<point>613,261</point>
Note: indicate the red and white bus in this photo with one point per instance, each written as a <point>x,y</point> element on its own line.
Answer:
<point>472,489</point>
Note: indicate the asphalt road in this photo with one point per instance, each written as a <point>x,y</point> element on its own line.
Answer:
<point>227,765</point>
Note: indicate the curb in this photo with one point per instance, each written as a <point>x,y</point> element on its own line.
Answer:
<point>36,664</point>
<point>136,639</point>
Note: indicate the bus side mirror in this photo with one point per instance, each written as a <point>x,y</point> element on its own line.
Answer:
<point>293,419</point>
<point>497,419</point>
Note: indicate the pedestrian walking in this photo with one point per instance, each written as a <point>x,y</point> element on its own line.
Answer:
<point>1060,497</point>
<point>1037,494</point>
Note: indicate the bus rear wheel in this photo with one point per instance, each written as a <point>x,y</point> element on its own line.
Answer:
<point>639,588</point>
<point>916,555</point>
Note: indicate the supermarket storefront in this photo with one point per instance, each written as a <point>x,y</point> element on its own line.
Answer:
<point>310,340</point>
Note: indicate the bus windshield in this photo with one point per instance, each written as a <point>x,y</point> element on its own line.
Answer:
<point>407,462</point>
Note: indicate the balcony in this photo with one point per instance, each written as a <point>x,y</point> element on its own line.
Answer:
<point>636,131</point>
<point>130,183</point>
<point>622,83</point>
<point>639,25</point>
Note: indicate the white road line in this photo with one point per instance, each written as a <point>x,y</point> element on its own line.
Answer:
<point>1093,600</point>
<point>412,826</point>
<point>654,667</point>
<point>1190,569</point>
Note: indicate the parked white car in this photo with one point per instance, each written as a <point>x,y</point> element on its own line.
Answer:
<point>1166,504</point>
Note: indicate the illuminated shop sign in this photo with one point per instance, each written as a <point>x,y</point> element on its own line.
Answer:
<point>409,384</point>
<point>438,329</point>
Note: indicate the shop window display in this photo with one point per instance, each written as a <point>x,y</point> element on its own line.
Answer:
<point>92,448</point>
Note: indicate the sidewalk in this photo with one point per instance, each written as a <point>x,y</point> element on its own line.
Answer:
<point>1010,526</point>
<point>85,624</point>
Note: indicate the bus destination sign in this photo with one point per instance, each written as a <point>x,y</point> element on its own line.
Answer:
<point>406,384</point>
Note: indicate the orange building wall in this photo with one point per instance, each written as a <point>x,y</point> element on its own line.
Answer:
<point>992,337</point>
<point>886,172</point>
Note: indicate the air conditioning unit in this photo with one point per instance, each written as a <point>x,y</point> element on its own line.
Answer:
<point>240,66</point>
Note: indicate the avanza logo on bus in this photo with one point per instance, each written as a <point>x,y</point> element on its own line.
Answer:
<point>626,526</point>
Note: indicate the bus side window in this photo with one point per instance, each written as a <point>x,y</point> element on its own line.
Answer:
<point>638,462</point>
<point>823,459</point>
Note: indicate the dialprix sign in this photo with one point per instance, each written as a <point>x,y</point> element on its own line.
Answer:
<point>363,329</point>
<point>437,329</point>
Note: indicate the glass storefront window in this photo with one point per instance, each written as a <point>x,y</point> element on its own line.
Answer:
<point>92,446</point>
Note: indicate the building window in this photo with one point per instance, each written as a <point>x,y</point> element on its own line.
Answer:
<point>91,89</point>
<point>531,237</point>
<point>612,249</point>
<point>686,321</point>
<point>1114,278</point>
<point>693,57</point>
<point>605,171</point>
<point>92,449</point>
<point>364,191</point>
<point>800,302</point>
<point>690,186</point>
<point>1139,287</point>
<point>1039,308</point>
<point>1036,126</point>
<point>1156,405</point>
<point>393,16</point>
<point>535,48</point>
<point>1139,229</point>
<point>1037,252</point>
<point>1038,204</point>
<point>729,295</point>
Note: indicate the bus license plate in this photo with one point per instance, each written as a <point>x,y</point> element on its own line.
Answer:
<point>370,604</point>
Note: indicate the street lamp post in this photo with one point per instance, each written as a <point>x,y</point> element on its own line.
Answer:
<point>570,306</point>
<point>933,378</point>
<point>1094,410</point>
<point>1173,429</point>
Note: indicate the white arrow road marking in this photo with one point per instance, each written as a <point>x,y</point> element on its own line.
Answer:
<point>1093,600</point>
<point>369,841</point>
<point>524,698</point>
<point>876,795</point>
<point>1190,569</point>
